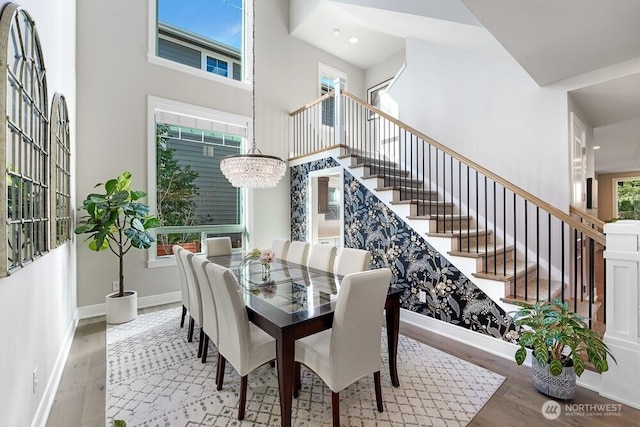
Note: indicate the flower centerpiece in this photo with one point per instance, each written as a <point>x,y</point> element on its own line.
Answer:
<point>265,256</point>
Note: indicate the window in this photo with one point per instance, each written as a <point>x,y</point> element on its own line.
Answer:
<point>60,171</point>
<point>627,192</point>
<point>327,77</point>
<point>25,236</point>
<point>209,36</point>
<point>217,66</point>
<point>192,198</point>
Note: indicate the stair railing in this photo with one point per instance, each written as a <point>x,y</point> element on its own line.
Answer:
<point>537,250</point>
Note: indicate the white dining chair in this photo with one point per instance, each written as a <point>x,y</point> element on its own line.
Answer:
<point>280,247</point>
<point>209,316</point>
<point>195,299</point>
<point>349,350</point>
<point>298,253</point>
<point>240,342</point>
<point>322,257</point>
<point>351,260</point>
<point>184,289</point>
<point>217,246</point>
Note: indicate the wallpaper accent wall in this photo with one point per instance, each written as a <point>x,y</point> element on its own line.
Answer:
<point>370,224</point>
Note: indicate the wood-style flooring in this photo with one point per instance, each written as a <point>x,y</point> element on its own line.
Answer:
<point>80,400</point>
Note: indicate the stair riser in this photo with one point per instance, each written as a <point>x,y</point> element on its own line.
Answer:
<point>415,194</point>
<point>499,260</point>
<point>373,170</point>
<point>423,209</point>
<point>444,224</point>
<point>390,181</point>
<point>463,244</point>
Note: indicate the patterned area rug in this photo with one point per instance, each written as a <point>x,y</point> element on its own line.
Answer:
<point>155,379</point>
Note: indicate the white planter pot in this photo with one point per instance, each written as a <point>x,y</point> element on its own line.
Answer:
<point>122,309</point>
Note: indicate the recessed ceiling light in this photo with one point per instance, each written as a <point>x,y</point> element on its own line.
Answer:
<point>336,32</point>
<point>353,40</point>
<point>596,147</point>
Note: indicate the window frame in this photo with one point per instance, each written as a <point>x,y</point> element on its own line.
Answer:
<point>154,104</point>
<point>247,48</point>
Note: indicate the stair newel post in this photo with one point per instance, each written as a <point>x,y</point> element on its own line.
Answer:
<point>622,256</point>
<point>338,119</point>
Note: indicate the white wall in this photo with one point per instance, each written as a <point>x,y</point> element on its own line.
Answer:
<point>37,303</point>
<point>114,80</point>
<point>385,69</point>
<point>484,106</point>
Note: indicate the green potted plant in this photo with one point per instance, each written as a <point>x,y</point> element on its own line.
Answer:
<point>561,340</point>
<point>116,220</point>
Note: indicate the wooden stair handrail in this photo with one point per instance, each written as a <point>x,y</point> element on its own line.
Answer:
<point>598,237</point>
<point>312,103</point>
<point>589,217</point>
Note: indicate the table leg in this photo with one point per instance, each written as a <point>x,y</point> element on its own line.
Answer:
<point>285,354</point>
<point>393,329</point>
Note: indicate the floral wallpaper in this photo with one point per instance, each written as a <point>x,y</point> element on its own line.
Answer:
<point>370,224</point>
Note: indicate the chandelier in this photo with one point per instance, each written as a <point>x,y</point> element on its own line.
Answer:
<point>254,169</point>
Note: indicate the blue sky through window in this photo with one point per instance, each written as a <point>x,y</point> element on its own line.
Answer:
<point>220,20</point>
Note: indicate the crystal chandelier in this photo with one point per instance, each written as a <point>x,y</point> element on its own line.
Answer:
<point>254,169</point>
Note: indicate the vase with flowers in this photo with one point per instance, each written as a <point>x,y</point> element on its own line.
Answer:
<point>265,256</point>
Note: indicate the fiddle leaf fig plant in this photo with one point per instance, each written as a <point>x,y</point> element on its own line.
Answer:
<point>117,221</point>
<point>559,337</point>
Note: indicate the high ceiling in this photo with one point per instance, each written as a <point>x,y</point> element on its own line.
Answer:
<point>554,41</point>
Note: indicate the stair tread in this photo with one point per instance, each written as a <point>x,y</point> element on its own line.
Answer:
<point>462,233</point>
<point>433,202</point>
<point>499,249</point>
<point>402,187</point>
<point>442,217</point>
<point>532,293</point>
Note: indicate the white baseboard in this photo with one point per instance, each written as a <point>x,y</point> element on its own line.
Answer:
<point>506,350</point>
<point>48,396</point>
<point>96,310</point>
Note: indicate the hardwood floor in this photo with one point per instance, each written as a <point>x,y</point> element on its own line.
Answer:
<point>80,400</point>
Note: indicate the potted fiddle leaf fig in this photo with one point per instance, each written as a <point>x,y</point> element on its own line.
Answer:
<point>561,341</point>
<point>117,221</point>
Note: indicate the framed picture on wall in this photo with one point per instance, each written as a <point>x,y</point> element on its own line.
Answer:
<point>373,95</point>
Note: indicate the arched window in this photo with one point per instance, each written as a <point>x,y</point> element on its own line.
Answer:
<point>60,172</point>
<point>24,146</point>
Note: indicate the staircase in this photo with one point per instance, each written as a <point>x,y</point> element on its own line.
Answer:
<point>512,245</point>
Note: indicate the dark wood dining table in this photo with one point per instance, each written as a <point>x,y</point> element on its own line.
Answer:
<point>291,301</point>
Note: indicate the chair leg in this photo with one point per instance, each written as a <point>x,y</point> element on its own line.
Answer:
<point>205,348</point>
<point>243,397</point>
<point>184,313</point>
<point>220,371</point>
<point>335,408</point>
<point>297,384</point>
<point>200,343</point>
<point>376,381</point>
<point>192,324</point>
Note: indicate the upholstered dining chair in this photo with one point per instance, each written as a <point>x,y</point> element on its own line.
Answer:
<point>280,247</point>
<point>322,257</point>
<point>195,299</point>
<point>349,350</point>
<point>240,342</point>
<point>183,282</point>
<point>298,252</point>
<point>351,260</point>
<point>218,246</point>
<point>209,313</point>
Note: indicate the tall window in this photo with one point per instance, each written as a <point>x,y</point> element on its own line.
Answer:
<point>193,199</point>
<point>26,154</point>
<point>208,35</point>
<point>326,78</point>
<point>628,198</point>
<point>60,171</point>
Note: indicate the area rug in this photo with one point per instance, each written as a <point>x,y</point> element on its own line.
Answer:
<point>155,379</point>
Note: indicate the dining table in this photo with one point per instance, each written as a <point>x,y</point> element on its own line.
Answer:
<point>291,301</point>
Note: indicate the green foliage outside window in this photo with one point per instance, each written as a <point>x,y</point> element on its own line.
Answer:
<point>629,199</point>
